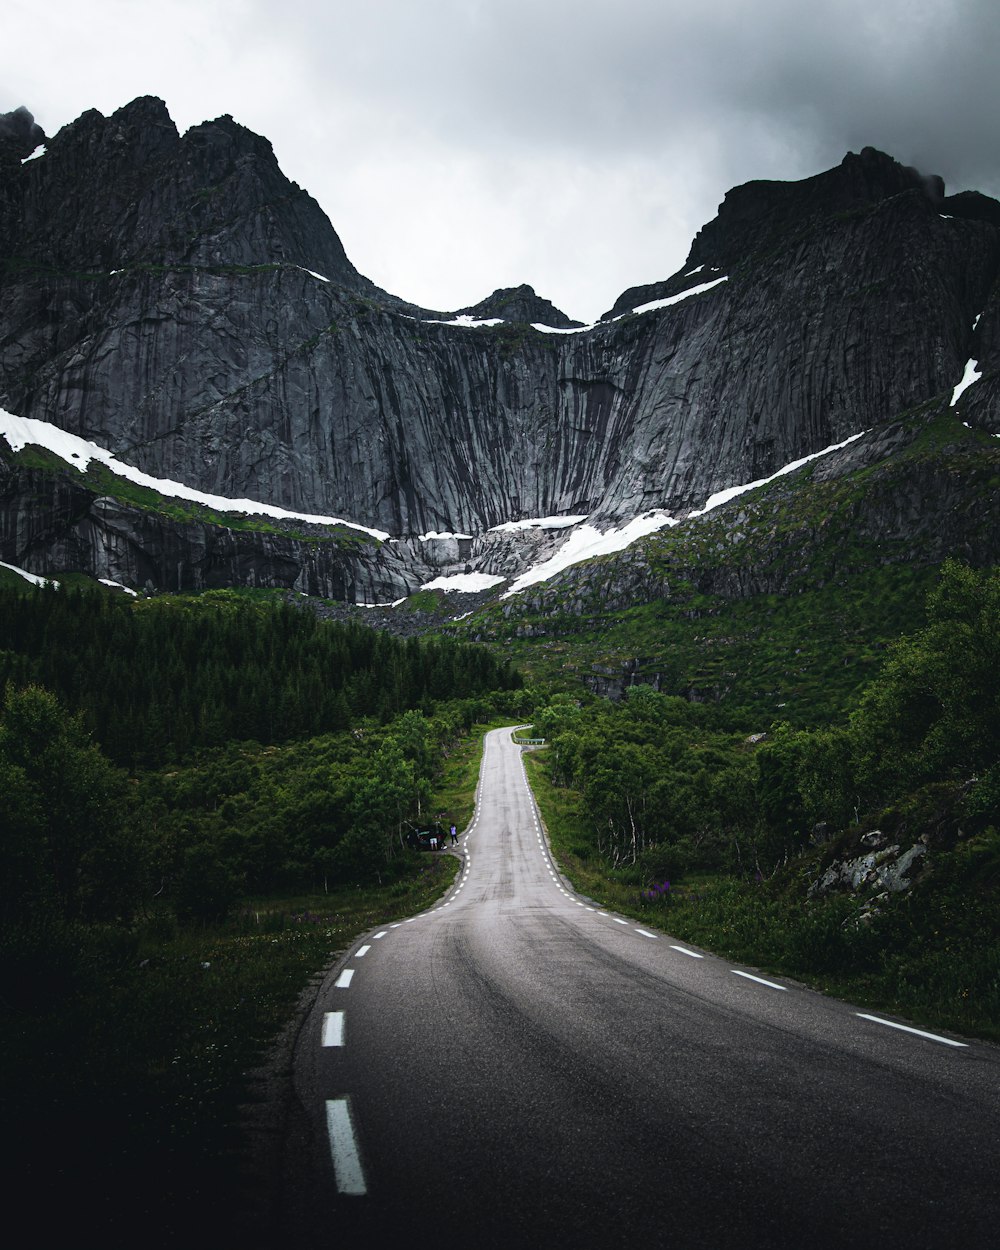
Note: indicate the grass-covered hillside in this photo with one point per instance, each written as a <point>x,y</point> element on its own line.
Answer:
<point>863,855</point>
<point>782,602</point>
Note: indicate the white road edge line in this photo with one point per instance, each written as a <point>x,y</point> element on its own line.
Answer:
<point>344,1147</point>
<point>333,1028</point>
<point>344,980</point>
<point>760,980</point>
<point>380,935</point>
<point>933,1037</point>
<point>361,951</point>
<point>645,933</point>
<point>684,951</point>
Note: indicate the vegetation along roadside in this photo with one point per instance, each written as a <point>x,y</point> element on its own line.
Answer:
<point>862,857</point>
<point>173,889</point>
<point>166,900</point>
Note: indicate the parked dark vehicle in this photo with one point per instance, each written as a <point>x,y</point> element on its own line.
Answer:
<point>430,837</point>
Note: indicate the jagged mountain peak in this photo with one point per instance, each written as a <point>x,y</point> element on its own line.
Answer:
<point>138,133</point>
<point>114,192</point>
<point>757,215</point>
<point>973,206</point>
<point>229,136</point>
<point>754,215</point>
<point>520,304</point>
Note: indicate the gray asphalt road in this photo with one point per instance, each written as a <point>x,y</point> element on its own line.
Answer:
<point>519,1068</point>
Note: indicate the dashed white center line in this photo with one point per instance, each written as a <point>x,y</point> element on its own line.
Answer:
<point>362,950</point>
<point>933,1037</point>
<point>380,935</point>
<point>344,980</point>
<point>344,1147</point>
<point>333,1028</point>
<point>684,951</point>
<point>760,980</point>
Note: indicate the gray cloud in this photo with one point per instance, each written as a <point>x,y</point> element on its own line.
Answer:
<point>602,79</point>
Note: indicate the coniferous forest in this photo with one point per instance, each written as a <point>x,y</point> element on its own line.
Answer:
<point>195,751</point>
<point>156,680</point>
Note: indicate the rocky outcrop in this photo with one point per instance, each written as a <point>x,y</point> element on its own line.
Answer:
<point>177,300</point>
<point>883,867</point>
<point>51,522</point>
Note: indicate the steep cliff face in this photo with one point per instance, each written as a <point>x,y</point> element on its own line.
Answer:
<point>177,300</point>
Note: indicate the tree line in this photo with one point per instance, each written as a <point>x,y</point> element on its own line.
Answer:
<point>156,680</point>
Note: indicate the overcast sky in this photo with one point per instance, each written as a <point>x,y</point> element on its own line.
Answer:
<point>577,145</point>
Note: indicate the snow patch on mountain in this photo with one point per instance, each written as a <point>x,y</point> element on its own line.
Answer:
<point>28,577</point>
<point>465,321</point>
<point>587,542</point>
<point>655,304</point>
<point>107,581</point>
<point>26,431</point>
<point>724,496</point>
<point>543,523</point>
<point>972,374</point>
<point>469,583</point>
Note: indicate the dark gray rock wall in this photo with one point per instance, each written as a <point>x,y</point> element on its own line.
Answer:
<point>212,357</point>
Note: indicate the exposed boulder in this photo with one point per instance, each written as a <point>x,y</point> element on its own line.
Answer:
<point>890,870</point>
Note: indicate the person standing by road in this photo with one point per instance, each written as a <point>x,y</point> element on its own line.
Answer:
<point>454,835</point>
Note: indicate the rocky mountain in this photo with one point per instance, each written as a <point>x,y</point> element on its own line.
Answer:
<point>175,300</point>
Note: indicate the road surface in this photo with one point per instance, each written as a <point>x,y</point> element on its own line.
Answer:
<point>518,1067</point>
